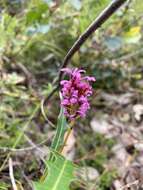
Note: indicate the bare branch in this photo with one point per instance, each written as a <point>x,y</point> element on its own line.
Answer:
<point>105,15</point>
<point>92,28</point>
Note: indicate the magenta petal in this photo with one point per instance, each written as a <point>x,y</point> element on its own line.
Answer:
<point>73,100</point>
<point>67,70</point>
<point>76,70</point>
<point>89,78</point>
<point>65,102</point>
<point>64,82</point>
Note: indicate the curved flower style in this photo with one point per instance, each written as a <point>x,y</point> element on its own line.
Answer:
<point>75,93</point>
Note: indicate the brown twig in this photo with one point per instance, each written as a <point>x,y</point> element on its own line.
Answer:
<point>92,28</point>
<point>105,15</point>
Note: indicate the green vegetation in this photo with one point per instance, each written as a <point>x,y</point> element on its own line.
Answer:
<point>35,36</point>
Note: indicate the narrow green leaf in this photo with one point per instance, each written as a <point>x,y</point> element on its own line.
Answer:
<point>60,174</point>
<point>58,140</point>
<point>60,131</point>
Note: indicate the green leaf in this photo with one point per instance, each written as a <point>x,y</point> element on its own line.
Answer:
<point>60,174</point>
<point>34,15</point>
<point>4,186</point>
<point>137,6</point>
<point>94,7</point>
<point>8,25</point>
<point>133,35</point>
<point>60,131</point>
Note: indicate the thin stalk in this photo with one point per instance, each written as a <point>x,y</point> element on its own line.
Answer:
<point>66,139</point>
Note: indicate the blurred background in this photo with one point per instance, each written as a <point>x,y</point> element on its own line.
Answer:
<point>35,35</point>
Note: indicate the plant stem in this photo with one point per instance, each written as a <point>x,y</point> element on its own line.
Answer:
<point>66,139</point>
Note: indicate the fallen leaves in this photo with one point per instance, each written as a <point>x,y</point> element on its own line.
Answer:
<point>121,119</point>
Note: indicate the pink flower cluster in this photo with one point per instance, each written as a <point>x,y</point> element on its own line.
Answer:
<point>75,93</point>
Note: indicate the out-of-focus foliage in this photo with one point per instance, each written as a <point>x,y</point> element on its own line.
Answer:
<point>60,174</point>
<point>35,35</point>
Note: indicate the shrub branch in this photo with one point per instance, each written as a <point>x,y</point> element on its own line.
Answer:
<point>104,15</point>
